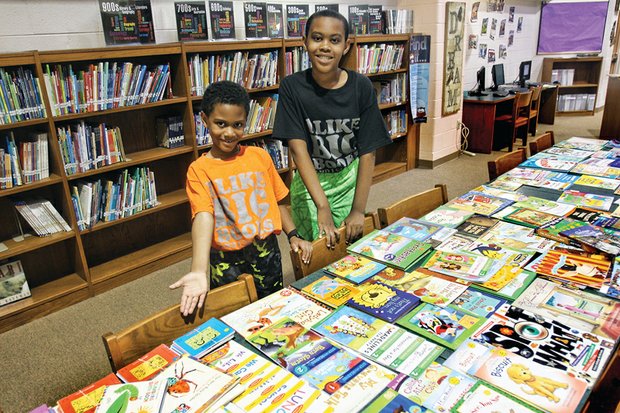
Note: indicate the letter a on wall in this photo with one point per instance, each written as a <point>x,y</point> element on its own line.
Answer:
<point>453,58</point>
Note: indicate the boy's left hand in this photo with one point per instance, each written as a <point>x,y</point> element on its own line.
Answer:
<point>304,248</point>
<point>354,224</point>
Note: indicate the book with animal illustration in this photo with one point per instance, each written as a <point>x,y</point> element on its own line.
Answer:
<point>467,266</point>
<point>545,205</point>
<point>447,216</point>
<point>513,288</point>
<point>507,273</point>
<point>529,218</point>
<point>551,162</point>
<point>13,283</point>
<point>502,193</point>
<point>544,387</point>
<point>203,338</point>
<point>483,398</point>
<point>584,144</point>
<point>583,199</point>
<point>448,326</point>
<point>598,182</point>
<point>602,239</point>
<point>354,268</point>
<point>392,249</point>
<point>413,229</point>
<point>133,397</point>
<point>588,270</point>
<point>596,218</point>
<point>382,301</point>
<point>195,387</point>
<point>578,309</point>
<point>332,291</point>
<point>597,167</point>
<point>147,366</point>
<point>581,354</point>
<point>516,237</point>
<point>87,399</point>
<point>478,303</point>
<point>480,203</point>
<point>465,356</point>
<point>269,310</point>
<point>391,401</point>
<point>434,288</point>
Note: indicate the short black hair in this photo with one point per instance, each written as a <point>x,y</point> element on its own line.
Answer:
<point>225,92</point>
<point>329,13</point>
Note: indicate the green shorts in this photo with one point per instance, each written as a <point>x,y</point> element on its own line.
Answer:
<point>339,188</point>
<point>261,259</point>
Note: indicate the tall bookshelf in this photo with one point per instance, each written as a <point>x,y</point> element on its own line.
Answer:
<point>69,267</point>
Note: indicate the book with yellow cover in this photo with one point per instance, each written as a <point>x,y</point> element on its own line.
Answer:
<point>331,291</point>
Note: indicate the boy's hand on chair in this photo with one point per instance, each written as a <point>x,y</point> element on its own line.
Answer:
<point>303,248</point>
<point>195,290</point>
<point>354,223</point>
<point>327,227</point>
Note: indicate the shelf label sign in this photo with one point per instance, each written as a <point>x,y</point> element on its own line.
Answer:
<point>191,17</point>
<point>419,74</point>
<point>127,22</point>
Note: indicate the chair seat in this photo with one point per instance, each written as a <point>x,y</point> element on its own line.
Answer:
<point>504,118</point>
<point>523,120</point>
<point>533,113</point>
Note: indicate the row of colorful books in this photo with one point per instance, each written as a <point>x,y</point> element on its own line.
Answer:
<point>20,96</point>
<point>275,148</point>
<point>202,132</point>
<point>24,162</point>
<point>262,114</point>
<point>296,59</point>
<point>42,217</point>
<point>252,71</point>
<point>381,57</point>
<point>104,86</point>
<point>170,132</point>
<point>391,90</point>
<point>396,121</point>
<point>84,147</point>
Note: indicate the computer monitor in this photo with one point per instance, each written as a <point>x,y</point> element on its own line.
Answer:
<point>525,68</point>
<point>497,74</point>
<point>480,79</point>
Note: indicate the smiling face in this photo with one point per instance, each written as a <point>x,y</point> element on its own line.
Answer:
<point>326,44</point>
<point>226,123</point>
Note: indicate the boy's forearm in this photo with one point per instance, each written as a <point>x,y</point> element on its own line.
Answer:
<point>202,235</point>
<point>287,221</point>
<point>308,173</point>
<point>364,180</point>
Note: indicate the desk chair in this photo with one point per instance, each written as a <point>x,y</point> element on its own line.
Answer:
<point>323,256</point>
<point>165,326</point>
<point>544,141</point>
<point>534,109</point>
<point>414,206</point>
<point>519,116</point>
<point>505,163</point>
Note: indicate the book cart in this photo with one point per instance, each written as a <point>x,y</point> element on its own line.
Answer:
<point>68,267</point>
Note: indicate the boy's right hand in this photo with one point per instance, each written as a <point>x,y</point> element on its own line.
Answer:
<point>195,291</point>
<point>327,227</point>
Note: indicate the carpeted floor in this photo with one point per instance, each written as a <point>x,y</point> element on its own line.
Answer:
<point>56,355</point>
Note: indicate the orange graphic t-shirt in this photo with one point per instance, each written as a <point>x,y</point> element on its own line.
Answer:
<point>242,193</point>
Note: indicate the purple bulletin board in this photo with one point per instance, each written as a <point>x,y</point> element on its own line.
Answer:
<point>572,27</point>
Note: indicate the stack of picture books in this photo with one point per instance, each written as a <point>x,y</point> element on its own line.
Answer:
<point>42,217</point>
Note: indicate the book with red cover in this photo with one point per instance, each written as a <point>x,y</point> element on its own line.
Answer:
<point>87,399</point>
<point>147,366</point>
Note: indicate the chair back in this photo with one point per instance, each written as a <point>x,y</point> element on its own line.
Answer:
<point>165,326</point>
<point>505,163</point>
<point>414,206</point>
<point>523,100</point>
<point>544,141</point>
<point>323,256</point>
<point>536,90</point>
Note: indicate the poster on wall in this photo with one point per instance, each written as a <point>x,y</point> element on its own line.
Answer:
<point>419,75</point>
<point>375,21</point>
<point>191,19</point>
<point>358,19</point>
<point>320,7</point>
<point>222,20</point>
<point>453,58</point>
<point>255,17</point>
<point>275,25</point>
<point>296,18</point>
<point>127,22</point>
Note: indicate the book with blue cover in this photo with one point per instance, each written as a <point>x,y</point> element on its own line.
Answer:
<point>413,228</point>
<point>382,301</point>
<point>203,338</point>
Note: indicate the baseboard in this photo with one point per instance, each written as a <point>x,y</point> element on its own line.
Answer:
<point>425,164</point>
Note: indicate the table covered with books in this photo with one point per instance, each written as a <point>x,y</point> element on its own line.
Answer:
<point>503,300</point>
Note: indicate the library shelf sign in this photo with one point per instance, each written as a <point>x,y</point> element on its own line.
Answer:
<point>222,20</point>
<point>191,17</point>
<point>127,22</point>
<point>453,58</point>
<point>419,75</point>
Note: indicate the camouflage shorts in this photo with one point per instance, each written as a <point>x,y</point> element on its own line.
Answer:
<point>261,259</point>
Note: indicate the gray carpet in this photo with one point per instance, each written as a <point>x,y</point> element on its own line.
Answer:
<point>56,355</point>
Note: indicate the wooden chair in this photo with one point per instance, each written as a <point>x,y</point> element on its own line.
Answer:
<point>414,206</point>
<point>544,141</point>
<point>534,109</point>
<point>505,163</point>
<point>165,326</point>
<point>323,256</point>
<point>518,118</point>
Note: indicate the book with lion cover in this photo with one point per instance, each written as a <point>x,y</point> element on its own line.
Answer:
<point>382,301</point>
<point>544,387</point>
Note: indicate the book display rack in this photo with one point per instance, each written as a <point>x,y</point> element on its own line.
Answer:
<point>70,266</point>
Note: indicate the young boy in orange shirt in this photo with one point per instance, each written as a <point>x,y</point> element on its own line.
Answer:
<point>234,192</point>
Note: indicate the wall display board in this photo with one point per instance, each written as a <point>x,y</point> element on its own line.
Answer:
<point>296,18</point>
<point>255,18</point>
<point>419,75</point>
<point>453,58</point>
<point>222,20</point>
<point>320,7</point>
<point>275,25</point>
<point>191,17</point>
<point>127,22</point>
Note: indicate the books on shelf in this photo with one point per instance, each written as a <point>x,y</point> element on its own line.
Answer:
<point>391,90</point>
<point>296,18</point>
<point>296,59</point>
<point>149,365</point>
<point>20,96</point>
<point>202,132</point>
<point>105,85</point>
<point>13,283</point>
<point>23,162</point>
<point>375,21</point>
<point>203,338</point>
<point>398,21</point>
<point>381,57</point>
<point>275,148</point>
<point>84,147</point>
<point>261,115</point>
<point>87,399</point>
<point>42,217</point>
<point>170,132</point>
<point>396,121</point>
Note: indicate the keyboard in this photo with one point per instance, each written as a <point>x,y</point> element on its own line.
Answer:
<point>500,93</point>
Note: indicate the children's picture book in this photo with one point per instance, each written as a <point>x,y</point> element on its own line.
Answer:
<point>483,398</point>
<point>467,266</point>
<point>146,396</point>
<point>553,229</point>
<point>149,365</point>
<point>505,182</point>
<point>196,387</point>
<point>438,289</point>
<point>331,291</point>
<point>296,18</point>
<point>502,193</point>
<point>480,203</point>
<point>384,302</point>
<point>569,152</point>
<point>222,19</point>
<point>551,162</point>
<point>558,181</point>
<point>391,249</point>
<point>87,399</point>
<point>203,338</point>
<point>269,310</point>
<point>191,18</point>
<point>456,243</point>
<point>602,239</point>
<point>595,201</point>
<point>597,167</point>
<point>391,401</point>
<point>579,309</point>
<point>516,237</point>
<point>413,229</point>
<point>478,303</point>
<point>447,216</point>
<point>584,144</point>
<point>545,205</point>
<point>514,288</point>
<point>354,268</point>
<point>529,218</point>
<point>13,283</point>
<point>596,218</point>
<point>275,21</point>
<point>582,354</point>
<point>448,326</point>
<point>544,387</point>
<point>476,226</point>
<point>598,182</point>
<point>255,17</point>
<point>589,271</point>
<point>464,357</point>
